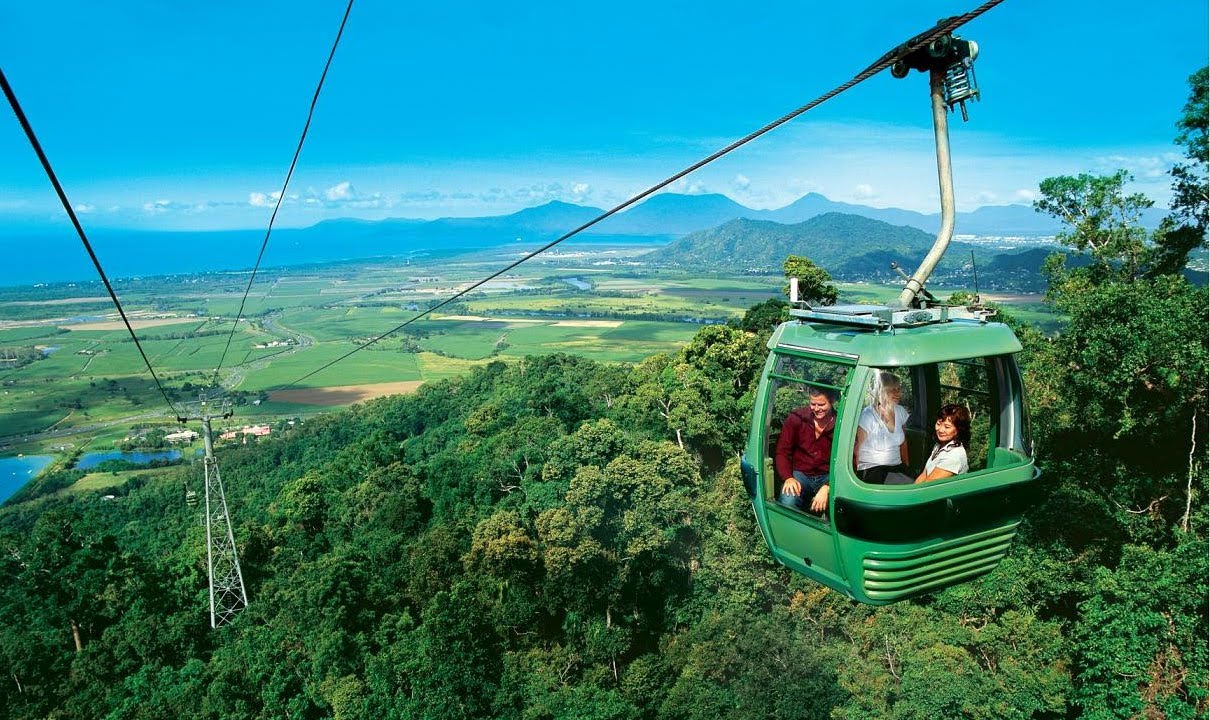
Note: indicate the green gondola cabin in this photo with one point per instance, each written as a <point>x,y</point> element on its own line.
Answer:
<point>882,543</point>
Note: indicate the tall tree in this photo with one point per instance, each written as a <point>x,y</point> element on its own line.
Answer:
<point>1185,228</point>
<point>1103,221</point>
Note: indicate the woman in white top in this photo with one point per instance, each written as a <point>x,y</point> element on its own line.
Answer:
<point>881,445</point>
<point>948,458</point>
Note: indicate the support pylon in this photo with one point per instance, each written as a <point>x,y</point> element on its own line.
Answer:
<point>227,594</point>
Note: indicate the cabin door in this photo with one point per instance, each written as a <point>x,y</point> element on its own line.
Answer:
<point>802,540</point>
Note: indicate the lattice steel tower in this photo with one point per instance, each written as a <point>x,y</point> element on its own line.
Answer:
<point>227,595</point>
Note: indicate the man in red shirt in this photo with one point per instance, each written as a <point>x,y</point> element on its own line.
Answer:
<point>804,451</point>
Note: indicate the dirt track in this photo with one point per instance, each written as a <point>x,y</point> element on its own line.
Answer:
<point>344,394</point>
<point>136,324</point>
<point>589,323</point>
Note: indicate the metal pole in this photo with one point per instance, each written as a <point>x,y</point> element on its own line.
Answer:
<point>227,593</point>
<point>207,461</point>
<point>239,574</point>
<point>945,179</point>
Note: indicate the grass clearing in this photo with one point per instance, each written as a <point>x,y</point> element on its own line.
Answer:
<point>37,332</point>
<point>438,367</point>
<point>107,480</point>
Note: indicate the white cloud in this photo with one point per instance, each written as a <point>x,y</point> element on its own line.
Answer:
<point>987,197</point>
<point>1141,166</point>
<point>421,196</point>
<point>741,182</point>
<point>83,208</point>
<point>864,191</point>
<point>503,198</point>
<point>159,207</point>
<point>341,196</point>
<point>259,199</point>
<point>340,192</point>
<point>694,187</point>
<point>1025,195</point>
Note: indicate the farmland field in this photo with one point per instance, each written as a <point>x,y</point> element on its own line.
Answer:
<point>89,385</point>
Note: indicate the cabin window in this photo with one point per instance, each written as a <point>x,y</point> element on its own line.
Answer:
<point>972,384</point>
<point>889,427</point>
<point>793,382</point>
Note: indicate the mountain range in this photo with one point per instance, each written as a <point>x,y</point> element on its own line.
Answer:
<point>660,219</point>
<point>675,215</point>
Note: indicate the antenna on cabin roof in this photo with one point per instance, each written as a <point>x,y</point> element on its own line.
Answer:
<point>975,270</point>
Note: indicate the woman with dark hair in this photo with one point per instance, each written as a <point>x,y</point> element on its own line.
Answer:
<point>953,430</point>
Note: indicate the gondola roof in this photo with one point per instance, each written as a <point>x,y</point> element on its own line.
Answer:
<point>898,346</point>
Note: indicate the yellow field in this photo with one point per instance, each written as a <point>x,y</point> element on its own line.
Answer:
<point>60,301</point>
<point>344,394</point>
<point>588,323</point>
<point>136,324</point>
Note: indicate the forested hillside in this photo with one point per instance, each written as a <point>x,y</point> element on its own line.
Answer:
<point>531,541</point>
<point>852,247</point>
<point>557,538</point>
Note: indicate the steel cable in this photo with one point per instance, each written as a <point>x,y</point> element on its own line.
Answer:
<point>71,213</point>
<point>917,42</point>
<point>281,196</point>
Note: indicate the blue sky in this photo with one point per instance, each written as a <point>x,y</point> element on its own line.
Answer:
<point>169,116</point>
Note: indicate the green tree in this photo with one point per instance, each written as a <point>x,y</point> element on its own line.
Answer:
<point>814,283</point>
<point>914,663</point>
<point>674,395</point>
<point>1120,401</point>
<point>1185,228</point>
<point>1141,636</point>
<point>748,667</point>
<point>1103,221</point>
<point>762,318</point>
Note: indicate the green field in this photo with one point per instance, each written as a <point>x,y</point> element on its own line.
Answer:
<point>92,385</point>
<point>372,365</point>
<point>108,480</point>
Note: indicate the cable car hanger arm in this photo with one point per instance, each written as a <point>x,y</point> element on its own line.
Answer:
<point>949,61</point>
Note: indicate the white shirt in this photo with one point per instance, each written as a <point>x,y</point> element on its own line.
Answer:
<point>881,444</point>
<point>951,456</point>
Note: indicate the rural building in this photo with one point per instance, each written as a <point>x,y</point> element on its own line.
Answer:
<point>247,431</point>
<point>185,436</point>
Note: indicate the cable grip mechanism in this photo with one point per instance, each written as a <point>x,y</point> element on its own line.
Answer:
<point>953,55</point>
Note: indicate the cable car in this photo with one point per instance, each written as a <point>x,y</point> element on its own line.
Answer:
<point>882,542</point>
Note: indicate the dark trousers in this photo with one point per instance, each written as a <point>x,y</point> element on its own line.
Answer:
<point>877,475</point>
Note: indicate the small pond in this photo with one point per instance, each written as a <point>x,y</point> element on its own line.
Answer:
<point>93,459</point>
